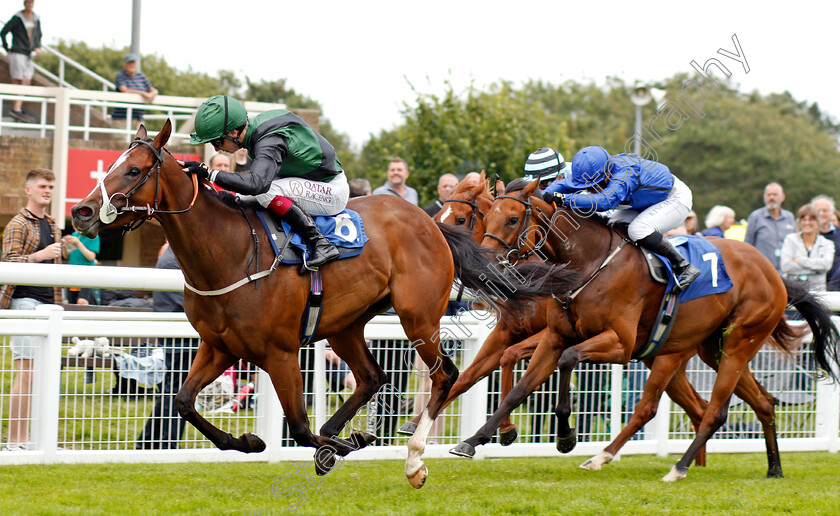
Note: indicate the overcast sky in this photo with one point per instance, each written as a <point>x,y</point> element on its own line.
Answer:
<point>358,58</point>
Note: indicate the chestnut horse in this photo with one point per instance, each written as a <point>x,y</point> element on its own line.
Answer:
<point>607,319</point>
<point>219,253</point>
<point>505,346</point>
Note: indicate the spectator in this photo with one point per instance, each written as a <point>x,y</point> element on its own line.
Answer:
<point>130,80</point>
<point>359,187</point>
<point>472,177</point>
<point>397,175</point>
<point>719,219</point>
<point>30,237</point>
<point>165,427</point>
<point>824,205</point>
<point>242,161</point>
<point>806,255</point>
<point>767,227</point>
<point>691,223</point>
<point>446,185</point>
<point>78,249</point>
<point>220,162</point>
<point>25,27</point>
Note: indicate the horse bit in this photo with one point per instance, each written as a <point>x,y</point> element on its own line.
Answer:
<point>108,212</point>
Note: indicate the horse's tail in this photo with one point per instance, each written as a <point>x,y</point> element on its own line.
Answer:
<point>825,335</point>
<point>510,290</point>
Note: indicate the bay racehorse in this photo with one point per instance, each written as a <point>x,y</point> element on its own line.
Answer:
<point>513,340</point>
<point>607,319</point>
<point>408,263</point>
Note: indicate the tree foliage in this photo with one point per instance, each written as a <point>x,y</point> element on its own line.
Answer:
<point>742,142</point>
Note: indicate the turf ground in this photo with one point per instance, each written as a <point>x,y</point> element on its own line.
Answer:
<point>731,484</point>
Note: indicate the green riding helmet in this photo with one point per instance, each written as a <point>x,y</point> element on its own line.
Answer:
<point>217,116</point>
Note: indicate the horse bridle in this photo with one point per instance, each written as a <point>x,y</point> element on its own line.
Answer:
<point>475,211</point>
<point>511,250</point>
<point>108,212</point>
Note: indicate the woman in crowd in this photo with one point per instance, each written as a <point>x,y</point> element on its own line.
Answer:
<point>806,255</point>
<point>719,219</point>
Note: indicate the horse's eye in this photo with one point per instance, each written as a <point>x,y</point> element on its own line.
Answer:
<point>461,220</point>
<point>133,172</point>
<point>513,220</point>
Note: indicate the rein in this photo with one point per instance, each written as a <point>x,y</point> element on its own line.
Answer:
<point>108,212</point>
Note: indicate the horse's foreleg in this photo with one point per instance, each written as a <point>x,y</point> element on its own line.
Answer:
<point>209,363</point>
<point>540,368</point>
<point>605,347</point>
<point>512,356</point>
<point>350,346</point>
<point>485,362</point>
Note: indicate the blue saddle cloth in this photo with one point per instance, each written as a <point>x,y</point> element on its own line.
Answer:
<point>345,230</point>
<point>702,254</point>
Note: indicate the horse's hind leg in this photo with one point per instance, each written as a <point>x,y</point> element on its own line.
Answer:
<point>209,363</point>
<point>764,405</point>
<point>350,346</point>
<point>683,394</point>
<point>662,372</point>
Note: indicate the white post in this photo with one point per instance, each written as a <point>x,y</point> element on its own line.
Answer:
<point>47,384</point>
<point>661,425</point>
<point>269,417</point>
<point>61,144</point>
<point>474,401</point>
<point>320,385</point>
<point>615,400</point>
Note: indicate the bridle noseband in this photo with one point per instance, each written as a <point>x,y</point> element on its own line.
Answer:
<point>511,250</point>
<point>108,212</point>
<point>475,211</point>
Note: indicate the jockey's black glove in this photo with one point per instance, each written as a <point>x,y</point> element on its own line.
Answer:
<point>199,169</point>
<point>553,197</point>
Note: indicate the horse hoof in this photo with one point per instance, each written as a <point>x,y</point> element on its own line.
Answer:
<point>464,449</point>
<point>408,428</point>
<point>252,443</point>
<point>591,465</point>
<point>324,462</point>
<point>419,477</point>
<point>567,443</point>
<point>509,437</point>
<point>594,464</point>
<point>362,439</point>
<point>675,474</point>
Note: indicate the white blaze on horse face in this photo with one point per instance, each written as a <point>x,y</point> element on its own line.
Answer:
<point>107,211</point>
<point>446,214</point>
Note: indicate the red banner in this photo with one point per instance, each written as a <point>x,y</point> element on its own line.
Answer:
<point>86,166</point>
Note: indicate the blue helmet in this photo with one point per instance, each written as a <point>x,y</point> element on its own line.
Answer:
<point>589,166</point>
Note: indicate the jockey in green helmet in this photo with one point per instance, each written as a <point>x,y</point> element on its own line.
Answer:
<point>295,172</point>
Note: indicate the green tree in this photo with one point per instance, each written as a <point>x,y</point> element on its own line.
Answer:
<point>463,132</point>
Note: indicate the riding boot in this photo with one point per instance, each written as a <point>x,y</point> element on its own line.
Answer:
<point>322,250</point>
<point>683,269</point>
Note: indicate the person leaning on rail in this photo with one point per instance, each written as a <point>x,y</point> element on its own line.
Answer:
<point>643,193</point>
<point>295,172</point>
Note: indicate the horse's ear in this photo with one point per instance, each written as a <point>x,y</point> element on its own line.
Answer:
<point>500,187</point>
<point>477,189</point>
<point>529,190</point>
<point>163,136</point>
<point>141,132</point>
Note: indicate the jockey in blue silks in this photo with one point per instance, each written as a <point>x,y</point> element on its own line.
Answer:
<point>643,193</point>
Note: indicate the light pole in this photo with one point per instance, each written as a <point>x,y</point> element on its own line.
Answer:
<point>640,96</point>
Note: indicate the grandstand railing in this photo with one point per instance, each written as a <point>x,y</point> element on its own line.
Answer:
<point>76,421</point>
<point>54,120</point>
